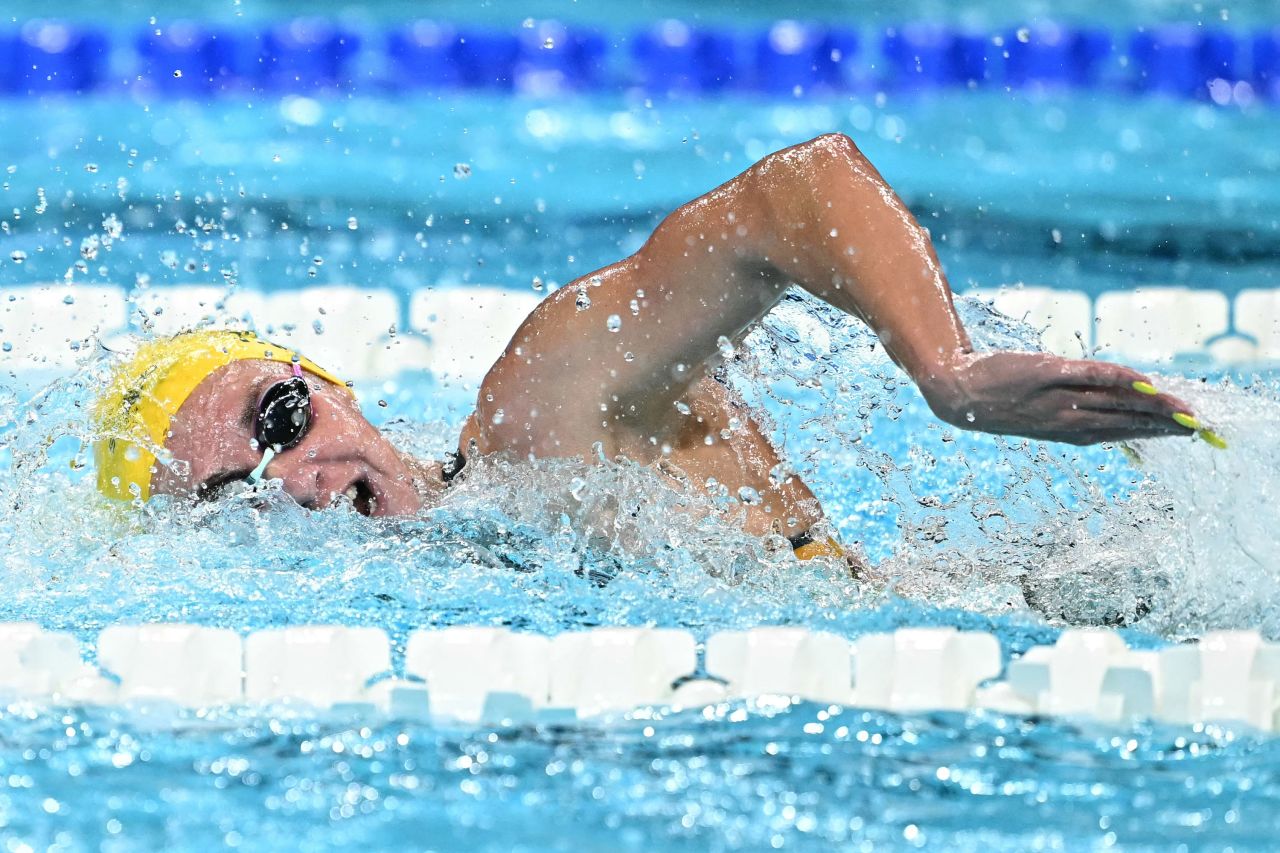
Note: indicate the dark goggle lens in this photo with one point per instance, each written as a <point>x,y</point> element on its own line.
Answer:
<point>284,414</point>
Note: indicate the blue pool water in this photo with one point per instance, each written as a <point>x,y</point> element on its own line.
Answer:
<point>1086,191</point>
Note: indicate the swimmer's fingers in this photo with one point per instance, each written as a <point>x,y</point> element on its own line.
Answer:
<point>1125,400</point>
<point>1096,374</point>
<point>1131,388</point>
<point>1087,426</point>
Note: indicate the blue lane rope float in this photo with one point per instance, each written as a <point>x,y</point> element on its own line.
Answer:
<point>784,59</point>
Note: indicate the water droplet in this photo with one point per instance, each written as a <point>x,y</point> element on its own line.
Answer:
<point>635,308</point>
<point>1024,35</point>
<point>132,453</point>
<point>748,495</point>
<point>18,256</point>
<point>6,346</point>
<point>613,323</point>
<point>682,407</point>
<point>537,284</point>
<point>970,417</point>
<point>779,474</point>
<point>583,302</point>
<point>91,168</point>
<point>628,356</point>
<point>462,171</point>
<point>317,327</point>
<point>498,417</point>
<point>352,223</point>
<point>725,346</point>
<point>549,43</point>
<point>382,404</point>
<point>177,72</point>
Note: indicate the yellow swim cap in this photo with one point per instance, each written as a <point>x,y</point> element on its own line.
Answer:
<point>131,418</point>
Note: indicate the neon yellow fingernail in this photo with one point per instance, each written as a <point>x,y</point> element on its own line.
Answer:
<point>1212,439</point>
<point>1186,420</point>
<point>1145,388</point>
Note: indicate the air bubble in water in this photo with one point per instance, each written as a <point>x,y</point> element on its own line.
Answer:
<point>748,495</point>
<point>613,323</point>
<point>970,417</point>
<point>462,171</point>
<point>725,346</point>
<point>537,284</point>
<point>583,302</point>
<point>352,223</point>
<point>18,256</point>
<point>177,72</point>
<point>91,168</point>
<point>317,327</point>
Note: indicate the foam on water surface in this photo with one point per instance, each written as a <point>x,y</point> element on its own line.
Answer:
<point>950,519</point>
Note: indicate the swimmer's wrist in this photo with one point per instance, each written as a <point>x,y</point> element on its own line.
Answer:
<point>943,386</point>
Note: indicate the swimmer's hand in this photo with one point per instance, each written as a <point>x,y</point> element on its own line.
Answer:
<point>1046,397</point>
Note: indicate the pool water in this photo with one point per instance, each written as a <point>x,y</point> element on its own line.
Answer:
<point>965,529</point>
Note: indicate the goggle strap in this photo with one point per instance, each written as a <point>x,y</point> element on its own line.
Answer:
<point>255,476</point>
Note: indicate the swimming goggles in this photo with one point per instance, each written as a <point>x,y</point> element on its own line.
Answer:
<point>284,415</point>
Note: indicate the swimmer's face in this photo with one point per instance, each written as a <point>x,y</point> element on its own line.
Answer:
<point>341,454</point>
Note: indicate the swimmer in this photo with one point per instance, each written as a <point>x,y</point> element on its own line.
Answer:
<point>817,215</point>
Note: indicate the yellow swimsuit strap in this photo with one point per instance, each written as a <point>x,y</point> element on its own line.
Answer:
<point>814,548</point>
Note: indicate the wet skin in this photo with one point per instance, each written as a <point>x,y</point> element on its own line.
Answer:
<point>341,453</point>
<point>817,215</point>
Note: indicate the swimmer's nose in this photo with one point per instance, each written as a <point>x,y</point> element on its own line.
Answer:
<point>301,477</point>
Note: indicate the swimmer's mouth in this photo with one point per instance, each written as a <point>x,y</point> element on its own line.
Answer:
<point>362,498</point>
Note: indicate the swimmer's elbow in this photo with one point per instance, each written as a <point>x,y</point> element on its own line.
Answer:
<point>823,161</point>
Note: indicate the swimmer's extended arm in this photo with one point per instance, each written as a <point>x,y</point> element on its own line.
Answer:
<point>818,215</point>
